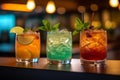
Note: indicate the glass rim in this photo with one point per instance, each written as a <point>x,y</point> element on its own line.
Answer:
<point>94,30</point>
<point>31,33</point>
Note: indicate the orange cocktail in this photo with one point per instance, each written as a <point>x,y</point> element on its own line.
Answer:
<point>27,47</point>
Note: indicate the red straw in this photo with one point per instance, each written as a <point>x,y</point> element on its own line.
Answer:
<point>91,20</point>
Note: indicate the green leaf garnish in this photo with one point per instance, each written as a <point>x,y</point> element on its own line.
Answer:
<point>80,26</point>
<point>26,29</point>
<point>33,29</point>
<point>55,26</point>
<point>47,27</point>
<point>86,25</point>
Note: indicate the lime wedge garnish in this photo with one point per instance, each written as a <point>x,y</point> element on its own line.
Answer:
<point>25,39</point>
<point>17,30</point>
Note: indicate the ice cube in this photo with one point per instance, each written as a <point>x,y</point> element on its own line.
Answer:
<point>64,31</point>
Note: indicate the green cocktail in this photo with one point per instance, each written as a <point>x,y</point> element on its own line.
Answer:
<point>59,46</point>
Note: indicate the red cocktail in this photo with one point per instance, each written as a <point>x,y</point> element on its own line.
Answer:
<point>93,45</point>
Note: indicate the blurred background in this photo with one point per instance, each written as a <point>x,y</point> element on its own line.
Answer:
<point>29,13</point>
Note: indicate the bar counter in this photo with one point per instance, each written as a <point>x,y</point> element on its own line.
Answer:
<point>10,70</point>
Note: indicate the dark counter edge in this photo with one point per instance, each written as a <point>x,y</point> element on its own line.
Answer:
<point>13,73</point>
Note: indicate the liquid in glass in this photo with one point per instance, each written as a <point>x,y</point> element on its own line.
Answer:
<point>27,47</point>
<point>59,47</point>
<point>93,46</point>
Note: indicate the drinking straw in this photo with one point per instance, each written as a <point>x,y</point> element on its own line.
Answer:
<point>82,14</point>
<point>91,20</point>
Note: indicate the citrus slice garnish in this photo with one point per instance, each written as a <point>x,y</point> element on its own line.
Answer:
<point>25,39</point>
<point>17,30</point>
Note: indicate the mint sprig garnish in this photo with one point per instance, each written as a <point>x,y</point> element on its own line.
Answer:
<point>26,29</point>
<point>80,26</point>
<point>33,29</point>
<point>47,27</point>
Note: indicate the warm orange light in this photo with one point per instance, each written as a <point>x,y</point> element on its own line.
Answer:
<point>96,24</point>
<point>110,25</point>
<point>31,4</point>
<point>50,8</point>
<point>114,3</point>
<point>61,10</point>
<point>94,7</point>
<point>14,7</point>
<point>81,9</point>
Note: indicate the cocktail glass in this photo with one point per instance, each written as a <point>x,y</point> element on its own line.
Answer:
<point>93,46</point>
<point>59,47</point>
<point>27,47</point>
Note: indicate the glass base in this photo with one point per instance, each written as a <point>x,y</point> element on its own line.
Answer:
<point>93,62</point>
<point>68,61</point>
<point>20,60</point>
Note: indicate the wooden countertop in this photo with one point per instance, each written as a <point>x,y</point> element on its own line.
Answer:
<point>111,69</point>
